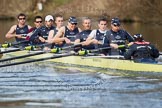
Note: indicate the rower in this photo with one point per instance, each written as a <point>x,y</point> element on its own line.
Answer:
<point>142,51</point>
<point>41,34</point>
<point>82,36</point>
<point>20,30</point>
<point>96,38</point>
<point>117,36</point>
<point>38,22</point>
<point>66,34</point>
<point>59,21</point>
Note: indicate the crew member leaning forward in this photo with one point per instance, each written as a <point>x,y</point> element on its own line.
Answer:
<point>142,51</point>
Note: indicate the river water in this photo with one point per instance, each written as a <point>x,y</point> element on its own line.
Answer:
<point>43,86</point>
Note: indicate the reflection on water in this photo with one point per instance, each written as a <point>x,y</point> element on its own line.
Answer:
<point>38,86</point>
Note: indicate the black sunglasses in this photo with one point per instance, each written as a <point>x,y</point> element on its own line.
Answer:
<point>74,23</point>
<point>38,21</point>
<point>116,25</point>
<point>22,18</point>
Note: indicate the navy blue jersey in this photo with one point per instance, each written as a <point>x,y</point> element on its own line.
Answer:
<point>24,31</point>
<point>119,37</point>
<point>42,31</point>
<point>71,35</point>
<point>83,35</point>
<point>100,36</point>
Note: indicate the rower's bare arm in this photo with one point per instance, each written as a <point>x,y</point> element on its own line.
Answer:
<point>79,29</point>
<point>131,43</point>
<point>89,40</point>
<point>68,41</point>
<point>77,41</point>
<point>95,41</point>
<point>42,39</point>
<point>50,36</point>
<point>59,36</point>
<point>29,27</point>
<point>11,33</point>
<point>115,46</point>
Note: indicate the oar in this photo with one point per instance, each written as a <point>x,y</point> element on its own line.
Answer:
<point>107,57</point>
<point>22,56</point>
<point>32,47</point>
<point>85,52</point>
<point>6,45</point>
<point>41,59</point>
<point>54,50</point>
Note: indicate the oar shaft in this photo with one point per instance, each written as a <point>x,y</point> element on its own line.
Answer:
<point>6,45</point>
<point>36,60</point>
<point>99,49</point>
<point>25,48</point>
<point>22,56</point>
<point>8,51</point>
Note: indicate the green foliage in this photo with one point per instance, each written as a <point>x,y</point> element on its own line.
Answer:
<point>60,2</point>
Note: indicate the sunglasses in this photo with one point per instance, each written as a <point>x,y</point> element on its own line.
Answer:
<point>22,18</point>
<point>73,23</point>
<point>116,25</point>
<point>38,21</point>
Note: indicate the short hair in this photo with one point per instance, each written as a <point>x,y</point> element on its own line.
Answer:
<point>102,19</point>
<point>85,18</point>
<point>36,17</point>
<point>21,14</point>
<point>58,15</point>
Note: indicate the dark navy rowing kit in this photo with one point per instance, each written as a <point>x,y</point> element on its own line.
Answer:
<point>142,52</point>
<point>43,32</point>
<point>21,31</point>
<point>119,38</point>
<point>83,35</point>
<point>71,34</point>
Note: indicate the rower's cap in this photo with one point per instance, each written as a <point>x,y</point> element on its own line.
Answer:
<point>115,21</point>
<point>49,18</point>
<point>73,20</point>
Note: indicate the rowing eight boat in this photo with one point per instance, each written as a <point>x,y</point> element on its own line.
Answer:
<point>104,62</point>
